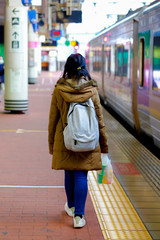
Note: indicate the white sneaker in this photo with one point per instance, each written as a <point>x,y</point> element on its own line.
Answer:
<point>79,222</point>
<point>69,211</point>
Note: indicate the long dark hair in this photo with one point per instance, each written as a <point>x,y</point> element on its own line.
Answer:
<point>76,66</point>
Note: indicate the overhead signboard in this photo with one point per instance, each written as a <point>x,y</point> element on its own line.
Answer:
<point>41,15</point>
<point>36,2</point>
<point>62,17</point>
<point>26,2</point>
<point>32,2</point>
<point>49,44</point>
<point>56,34</point>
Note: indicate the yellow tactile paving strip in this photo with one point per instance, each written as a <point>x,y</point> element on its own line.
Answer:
<point>117,217</point>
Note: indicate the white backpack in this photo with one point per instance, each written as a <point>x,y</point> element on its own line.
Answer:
<point>82,131</point>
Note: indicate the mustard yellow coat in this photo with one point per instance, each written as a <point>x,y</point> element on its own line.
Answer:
<point>66,91</point>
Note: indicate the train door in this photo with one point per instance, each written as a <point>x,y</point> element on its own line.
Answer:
<point>143,79</point>
<point>102,69</point>
<point>154,100</point>
<point>134,76</point>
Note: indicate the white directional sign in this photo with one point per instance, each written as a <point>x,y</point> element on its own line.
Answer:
<point>16,20</point>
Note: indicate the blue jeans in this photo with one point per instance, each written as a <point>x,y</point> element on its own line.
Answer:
<point>76,188</point>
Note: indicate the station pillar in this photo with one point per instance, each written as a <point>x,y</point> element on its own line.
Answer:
<point>32,55</point>
<point>39,57</point>
<point>16,56</point>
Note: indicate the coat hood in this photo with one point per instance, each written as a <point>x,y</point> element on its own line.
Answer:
<point>73,90</point>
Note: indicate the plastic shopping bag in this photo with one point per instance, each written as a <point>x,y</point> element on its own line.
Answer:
<point>106,174</point>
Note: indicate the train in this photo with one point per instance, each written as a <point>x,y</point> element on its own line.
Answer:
<point>125,61</point>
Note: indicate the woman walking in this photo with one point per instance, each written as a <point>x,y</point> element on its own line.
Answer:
<point>75,85</point>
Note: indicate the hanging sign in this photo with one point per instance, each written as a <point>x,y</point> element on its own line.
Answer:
<point>32,2</point>
<point>55,34</point>
<point>27,2</point>
<point>32,18</point>
<point>75,17</point>
<point>36,2</point>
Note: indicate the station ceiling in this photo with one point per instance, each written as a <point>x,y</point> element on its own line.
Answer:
<point>49,9</point>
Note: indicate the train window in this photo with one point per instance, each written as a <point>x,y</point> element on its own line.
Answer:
<point>121,60</point>
<point>141,67</point>
<point>113,59</point>
<point>156,62</point>
<point>108,59</point>
<point>96,60</point>
<point>125,62</point>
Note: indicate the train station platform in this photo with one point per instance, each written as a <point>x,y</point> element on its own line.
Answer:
<point>32,195</point>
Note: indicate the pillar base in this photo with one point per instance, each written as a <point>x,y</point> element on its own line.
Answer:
<point>16,105</point>
<point>32,80</point>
